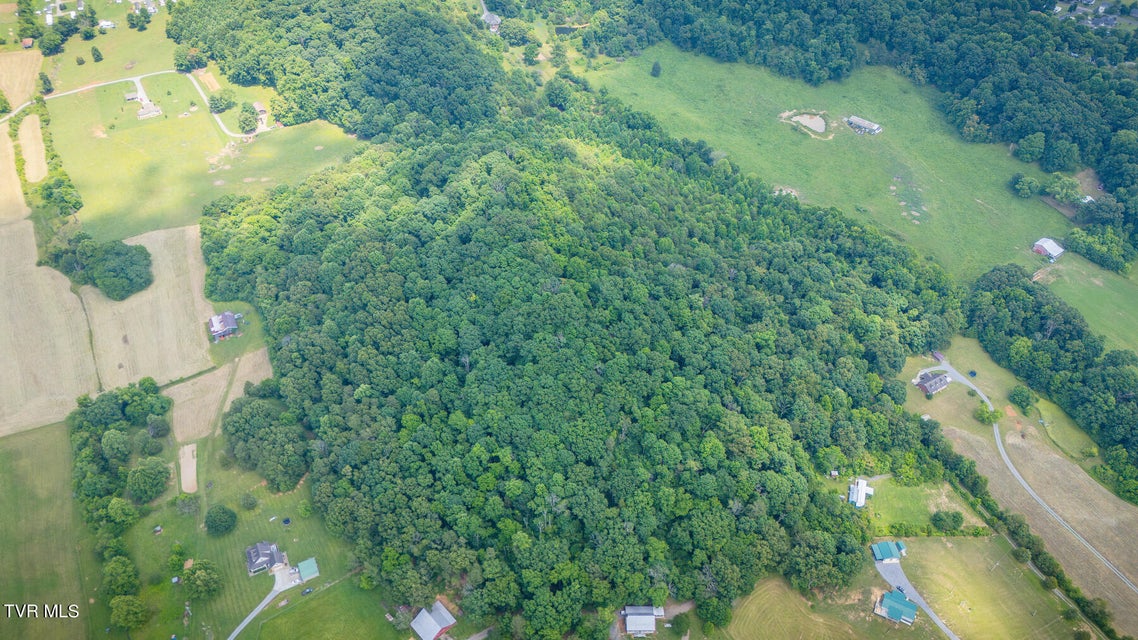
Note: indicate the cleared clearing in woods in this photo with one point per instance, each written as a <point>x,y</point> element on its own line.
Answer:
<point>251,367</point>
<point>159,332</point>
<point>31,147</point>
<point>43,337</point>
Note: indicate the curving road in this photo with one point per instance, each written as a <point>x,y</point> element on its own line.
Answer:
<point>137,80</point>
<point>956,376</point>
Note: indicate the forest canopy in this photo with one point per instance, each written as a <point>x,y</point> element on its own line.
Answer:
<point>560,362</point>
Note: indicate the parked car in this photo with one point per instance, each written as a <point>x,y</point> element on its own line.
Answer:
<point>306,591</point>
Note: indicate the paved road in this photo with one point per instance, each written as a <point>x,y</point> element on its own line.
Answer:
<point>249,618</point>
<point>895,575</point>
<point>958,377</point>
<point>137,80</point>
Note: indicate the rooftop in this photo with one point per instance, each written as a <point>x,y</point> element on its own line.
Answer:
<point>431,623</point>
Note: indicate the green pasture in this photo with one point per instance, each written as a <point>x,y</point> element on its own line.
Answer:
<point>42,534</point>
<point>302,539</point>
<point>126,52</point>
<point>342,611</point>
<point>251,94</point>
<point>918,180</point>
<point>1107,299</point>
<point>140,175</point>
<point>8,25</point>
<point>980,591</point>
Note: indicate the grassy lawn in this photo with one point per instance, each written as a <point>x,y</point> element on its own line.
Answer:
<point>303,538</point>
<point>980,591</point>
<point>917,180</point>
<point>137,176</point>
<point>892,502</point>
<point>126,52</point>
<point>42,535</point>
<point>8,24</point>
<point>342,611</point>
<point>1108,300</point>
<point>251,94</point>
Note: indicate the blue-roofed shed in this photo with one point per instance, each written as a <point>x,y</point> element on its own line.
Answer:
<point>894,606</point>
<point>888,551</point>
<point>308,570</point>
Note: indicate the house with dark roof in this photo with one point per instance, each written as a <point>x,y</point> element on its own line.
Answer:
<point>931,383</point>
<point>894,606</point>
<point>434,622</point>
<point>262,556</point>
<point>222,325</point>
<point>889,551</point>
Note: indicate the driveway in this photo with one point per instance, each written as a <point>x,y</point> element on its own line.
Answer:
<point>895,575</point>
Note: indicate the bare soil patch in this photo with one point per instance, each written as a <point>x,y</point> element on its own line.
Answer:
<point>197,403</point>
<point>8,7</point>
<point>251,367</point>
<point>188,464</point>
<point>208,81</point>
<point>31,146</point>
<point>43,335</point>
<point>810,121</point>
<point>18,72</point>
<point>12,205</point>
<point>1100,517</point>
<point>159,332</point>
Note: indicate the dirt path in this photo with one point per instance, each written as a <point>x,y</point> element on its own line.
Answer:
<point>188,464</point>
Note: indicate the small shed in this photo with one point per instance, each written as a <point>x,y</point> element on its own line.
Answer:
<point>308,570</point>
<point>1048,247</point>
<point>861,125</point>
<point>27,43</point>
<point>640,620</point>
<point>932,383</point>
<point>894,606</point>
<point>222,325</point>
<point>889,551</point>
<point>259,107</point>
<point>130,96</point>
<point>859,491</point>
<point>434,622</point>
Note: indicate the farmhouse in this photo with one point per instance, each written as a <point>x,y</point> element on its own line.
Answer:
<point>932,383</point>
<point>859,491</point>
<point>262,556</point>
<point>431,624</point>
<point>861,125</point>
<point>894,606</point>
<point>1048,247</point>
<point>889,552</point>
<point>223,325</point>
<point>640,620</point>
<point>493,21</point>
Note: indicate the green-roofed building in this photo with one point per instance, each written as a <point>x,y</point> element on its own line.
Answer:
<point>308,570</point>
<point>894,606</point>
<point>890,551</point>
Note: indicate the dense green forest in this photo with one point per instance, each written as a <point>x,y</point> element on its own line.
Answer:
<point>562,362</point>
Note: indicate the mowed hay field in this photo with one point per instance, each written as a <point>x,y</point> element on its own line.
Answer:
<point>159,332</point>
<point>1100,517</point>
<point>31,148</point>
<point>12,206</point>
<point>18,72</point>
<point>978,598</point>
<point>137,176</point>
<point>1108,300</point>
<point>40,533</point>
<point>43,336</point>
<point>200,401</point>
